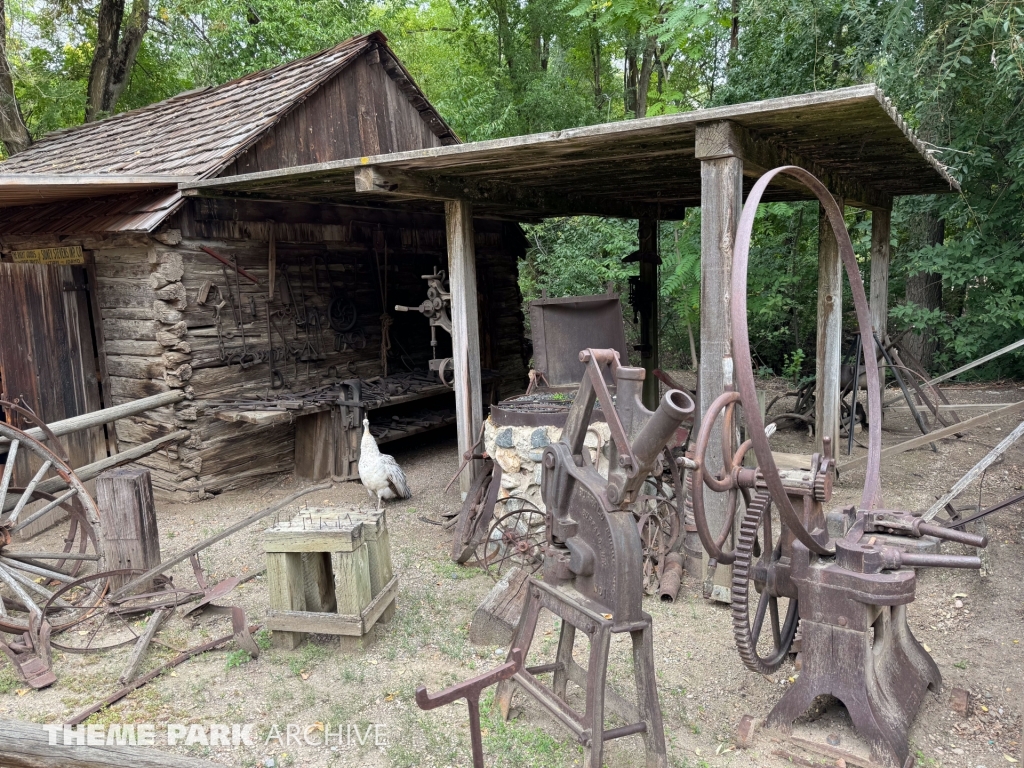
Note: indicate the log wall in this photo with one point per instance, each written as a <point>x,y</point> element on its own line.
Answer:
<point>157,336</point>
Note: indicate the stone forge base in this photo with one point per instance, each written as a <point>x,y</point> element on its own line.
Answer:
<point>519,451</point>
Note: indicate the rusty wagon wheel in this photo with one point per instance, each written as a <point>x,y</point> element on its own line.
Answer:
<point>31,572</point>
<point>516,538</point>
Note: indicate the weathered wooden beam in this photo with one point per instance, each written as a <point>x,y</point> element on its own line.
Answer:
<point>721,178</point>
<point>920,440</point>
<point>90,471</point>
<point>975,472</point>
<point>107,415</point>
<point>830,335</point>
<point>404,185</point>
<point>465,331</point>
<point>881,227</point>
<point>760,156</point>
<point>27,745</point>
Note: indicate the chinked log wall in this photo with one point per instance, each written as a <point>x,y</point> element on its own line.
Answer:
<point>157,337</point>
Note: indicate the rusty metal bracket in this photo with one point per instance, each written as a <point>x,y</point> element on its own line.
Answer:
<point>470,690</point>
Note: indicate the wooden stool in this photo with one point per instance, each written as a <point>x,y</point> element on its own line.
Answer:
<point>578,613</point>
<point>329,571</point>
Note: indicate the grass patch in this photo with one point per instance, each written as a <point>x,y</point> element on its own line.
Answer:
<point>237,658</point>
<point>8,680</point>
<point>513,744</point>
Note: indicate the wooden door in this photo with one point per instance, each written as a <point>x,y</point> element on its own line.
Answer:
<point>47,356</point>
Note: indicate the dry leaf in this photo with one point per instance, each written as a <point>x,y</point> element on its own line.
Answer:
<point>304,675</point>
<point>174,674</point>
<point>373,661</point>
<point>1011,759</point>
<point>314,727</point>
<point>22,691</point>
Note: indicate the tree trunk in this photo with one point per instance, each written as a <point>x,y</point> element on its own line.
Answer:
<point>13,132</point>
<point>925,290</point>
<point>630,75</point>
<point>116,50</point>
<point>595,63</point>
<point>734,35</point>
<point>644,79</point>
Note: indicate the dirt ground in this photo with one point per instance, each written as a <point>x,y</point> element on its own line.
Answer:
<point>973,625</point>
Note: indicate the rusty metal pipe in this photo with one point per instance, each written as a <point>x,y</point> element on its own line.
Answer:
<point>960,537</point>
<point>671,577</point>
<point>915,560</point>
<point>675,406</point>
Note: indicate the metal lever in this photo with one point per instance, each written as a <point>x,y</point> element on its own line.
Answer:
<point>470,691</point>
<point>882,521</point>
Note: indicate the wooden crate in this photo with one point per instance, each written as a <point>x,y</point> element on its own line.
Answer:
<point>329,570</point>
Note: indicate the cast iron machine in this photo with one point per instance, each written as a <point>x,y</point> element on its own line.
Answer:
<point>435,308</point>
<point>847,593</point>
<point>593,562</point>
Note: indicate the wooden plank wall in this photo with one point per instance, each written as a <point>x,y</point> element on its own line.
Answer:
<point>360,112</point>
<point>158,337</point>
<point>46,354</point>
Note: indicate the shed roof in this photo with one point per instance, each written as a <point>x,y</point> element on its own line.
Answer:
<point>196,134</point>
<point>851,137</point>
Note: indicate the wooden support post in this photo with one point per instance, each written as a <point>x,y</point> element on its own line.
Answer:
<point>287,582</point>
<point>315,445</point>
<point>125,501</point>
<point>881,223</point>
<point>718,147</point>
<point>465,330</point>
<point>650,260</point>
<point>830,335</point>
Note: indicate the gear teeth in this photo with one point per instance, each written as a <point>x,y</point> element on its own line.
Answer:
<point>745,644</point>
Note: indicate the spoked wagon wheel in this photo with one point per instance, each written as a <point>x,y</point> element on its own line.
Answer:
<point>31,573</point>
<point>516,537</point>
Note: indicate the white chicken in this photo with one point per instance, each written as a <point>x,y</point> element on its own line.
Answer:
<point>380,473</point>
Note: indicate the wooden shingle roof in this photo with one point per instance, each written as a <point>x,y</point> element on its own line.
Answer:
<point>196,134</point>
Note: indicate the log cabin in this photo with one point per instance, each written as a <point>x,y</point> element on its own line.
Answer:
<point>264,313</point>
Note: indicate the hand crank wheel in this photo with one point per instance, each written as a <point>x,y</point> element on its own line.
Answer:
<point>726,480</point>
<point>749,588</point>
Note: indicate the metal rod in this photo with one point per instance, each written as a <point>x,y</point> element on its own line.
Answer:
<point>949,534</point>
<point>168,564</point>
<point>624,730</point>
<point>226,261</point>
<point>994,508</point>
<point>906,393</point>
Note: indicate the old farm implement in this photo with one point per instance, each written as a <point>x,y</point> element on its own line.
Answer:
<point>847,594</point>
